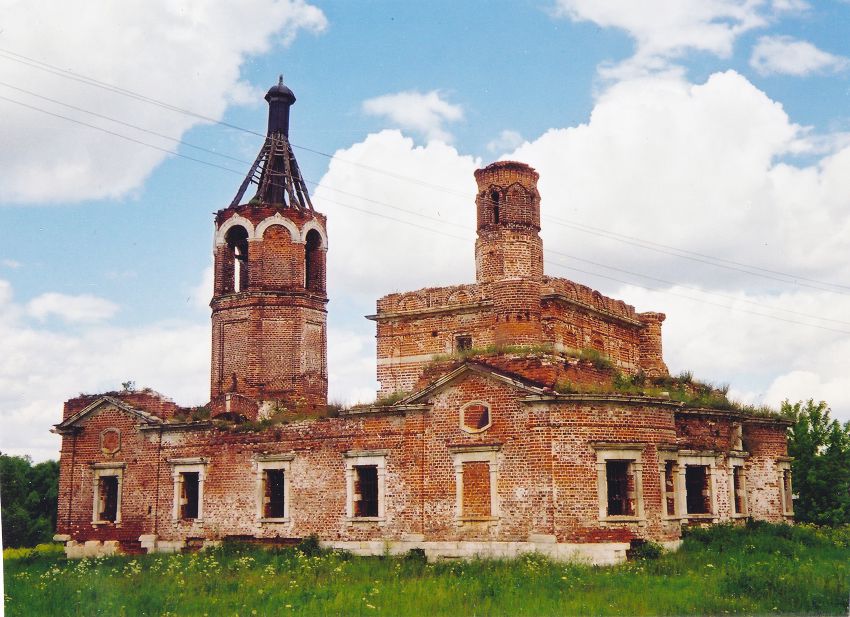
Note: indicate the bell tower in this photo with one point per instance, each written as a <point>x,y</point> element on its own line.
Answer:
<point>269,317</point>
<point>509,251</point>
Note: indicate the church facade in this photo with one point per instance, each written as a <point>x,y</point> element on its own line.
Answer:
<point>520,412</point>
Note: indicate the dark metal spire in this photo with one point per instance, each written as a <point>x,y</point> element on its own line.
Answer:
<point>275,171</point>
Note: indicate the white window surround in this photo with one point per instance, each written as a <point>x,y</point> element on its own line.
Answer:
<point>738,460</point>
<point>699,458</point>
<point>262,464</point>
<point>313,224</point>
<point>476,454</point>
<point>632,452</point>
<point>278,219</point>
<point>665,456</point>
<point>233,221</point>
<point>783,465</point>
<point>358,458</point>
<point>468,429</point>
<point>737,444</point>
<point>180,466</point>
<point>101,470</point>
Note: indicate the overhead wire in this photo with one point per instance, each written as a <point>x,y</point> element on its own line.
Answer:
<point>90,81</point>
<point>719,262</point>
<point>441,221</point>
<point>699,257</point>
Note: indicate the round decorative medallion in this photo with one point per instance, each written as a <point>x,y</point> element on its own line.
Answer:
<point>110,441</point>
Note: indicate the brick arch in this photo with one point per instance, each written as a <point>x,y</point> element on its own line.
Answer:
<point>461,296</point>
<point>277,219</point>
<point>598,300</point>
<point>410,302</point>
<point>570,291</point>
<point>314,225</point>
<point>517,189</point>
<point>233,221</point>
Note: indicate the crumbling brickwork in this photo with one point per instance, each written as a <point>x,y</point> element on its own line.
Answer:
<point>512,302</point>
<point>506,440</point>
<point>540,446</point>
<point>269,334</point>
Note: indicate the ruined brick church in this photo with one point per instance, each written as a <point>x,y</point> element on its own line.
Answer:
<point>502,424</point>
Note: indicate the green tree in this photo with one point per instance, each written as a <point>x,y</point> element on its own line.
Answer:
<point>820,446</point>
<point>28,494</point>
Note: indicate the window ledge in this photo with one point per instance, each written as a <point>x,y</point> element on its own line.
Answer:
<point>366,519</point>
<point>623,519</point>
<point>477,519</point>
<point>740,515</point>
<point>704,516</point>
<point>112,523</point>
<point>276,520</point>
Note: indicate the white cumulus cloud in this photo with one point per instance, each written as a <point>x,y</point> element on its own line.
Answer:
<point>187,54</point>
<point>79,308</point>
<point>789,56</point>
<point>425,113</point>
<point>665,29</point>
<point>40,368</point>
<point>697,166</point>
<point>507,140</point>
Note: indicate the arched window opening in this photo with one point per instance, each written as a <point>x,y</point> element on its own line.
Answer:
<point>494,198</point>
<point>314,274</point>
<point>237,245</point>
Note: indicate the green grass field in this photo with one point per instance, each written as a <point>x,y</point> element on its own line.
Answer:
<point>760,569</point>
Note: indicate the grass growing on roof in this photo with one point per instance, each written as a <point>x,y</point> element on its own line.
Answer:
<point>759,569</point>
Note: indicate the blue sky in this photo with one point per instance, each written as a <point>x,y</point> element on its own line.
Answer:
<point>715,127</point>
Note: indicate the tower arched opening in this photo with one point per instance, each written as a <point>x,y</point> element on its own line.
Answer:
<point>237,248</point>
<point>314,262</point>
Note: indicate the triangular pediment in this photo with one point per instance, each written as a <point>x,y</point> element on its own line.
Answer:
<point>469,369</point>
<point>73,420</point>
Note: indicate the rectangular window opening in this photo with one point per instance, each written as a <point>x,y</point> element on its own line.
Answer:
<point>670,487</point>
<point>274,494</point>
<point>189,495</point>
<point>108,489</point>
<point>621,488</point>
<point>463,342</point>
<point>366,490</point>
<point>697,490</point>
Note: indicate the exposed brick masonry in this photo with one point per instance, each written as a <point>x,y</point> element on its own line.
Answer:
<point>482,456</point>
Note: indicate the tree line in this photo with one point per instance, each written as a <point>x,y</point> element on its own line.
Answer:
<point>28,494</point>
<point>818,443</point>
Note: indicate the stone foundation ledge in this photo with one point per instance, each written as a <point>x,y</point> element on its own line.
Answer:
<point>591,553</point>
<point>602,553</point>
<point>152,544</point>
<point>91,548</point>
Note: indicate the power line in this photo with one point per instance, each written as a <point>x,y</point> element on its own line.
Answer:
<point>167,151</point>
<point>90,81</point>
<point>645,244</point>
<point>673,293</point>
<point>121,122</point>
<point>694,256</point>
<point>119,135</point>
<point>696,289</point>
<point>185,143</point>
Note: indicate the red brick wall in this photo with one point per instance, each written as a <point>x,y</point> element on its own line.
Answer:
<point>546,477</point>
<point>512,302</point>
<point>270,339</point>
<point>76,475</point>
